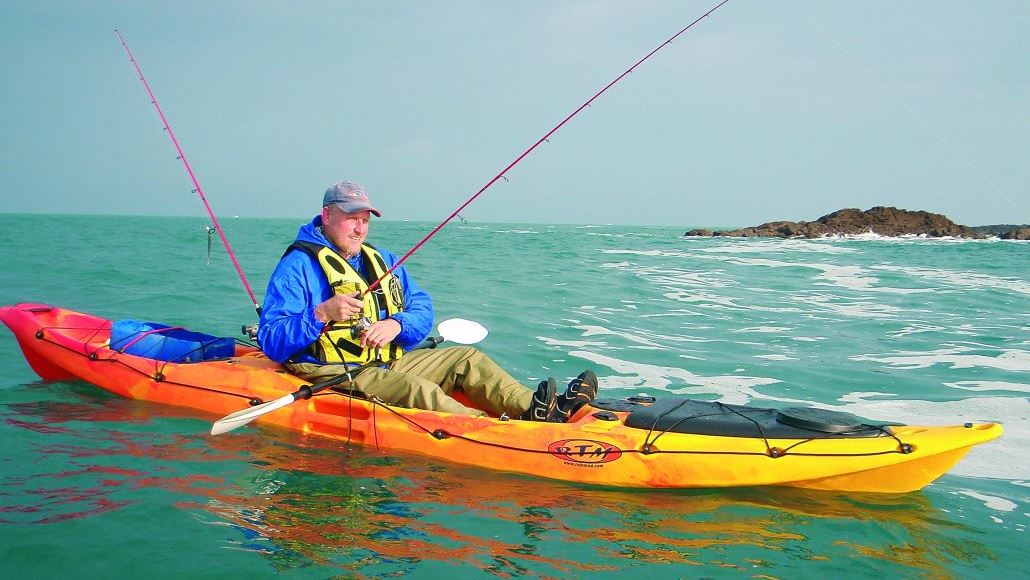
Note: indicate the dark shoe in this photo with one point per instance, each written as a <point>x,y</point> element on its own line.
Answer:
<point>581,390</point>
<point>544,402</point>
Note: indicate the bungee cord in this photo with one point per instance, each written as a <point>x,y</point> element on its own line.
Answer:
<point>650,435</point>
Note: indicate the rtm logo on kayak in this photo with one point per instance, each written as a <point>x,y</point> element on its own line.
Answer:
<point>585,451</point>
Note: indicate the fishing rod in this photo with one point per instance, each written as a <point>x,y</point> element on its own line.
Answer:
<point>196,184</point>
<point>525,153</point>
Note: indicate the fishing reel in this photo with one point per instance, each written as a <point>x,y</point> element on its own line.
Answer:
<point>360,326</point>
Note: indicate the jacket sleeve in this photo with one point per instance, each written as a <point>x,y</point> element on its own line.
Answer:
<point>417,318</point>
<point>288,323</point>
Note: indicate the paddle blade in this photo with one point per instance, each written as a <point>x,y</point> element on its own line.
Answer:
<point>461,331</point>
<point>241,418</point>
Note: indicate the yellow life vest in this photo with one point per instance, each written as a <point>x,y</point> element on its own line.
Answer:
<point>340,341</point>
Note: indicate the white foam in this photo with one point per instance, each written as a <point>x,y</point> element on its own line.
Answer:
<point>870,235</point>
<point>775,357</point>
<point>903,238</point>
<point>853,277</point>
<point>990,386</point>
<point>845,276</point>
<point>790,245</point>
<point>769,329</point>
<point>644,337</point>
<point>915,328</point>
<point>704,299</point>
<point>860,396</point>
<point>991,502</point>
<point>640,339</point>
<point>674,276</point>
<point>1009,360</point>
<point>571,343</point>
<point>521,232</point>
<point>663,253</point>
<point>731,389</point>
<point>672,312</point>
<point>960,279</point>
<point>1003,458</point>
<point>627,335</point>
<point>711,301</point>
<point>859,309</point>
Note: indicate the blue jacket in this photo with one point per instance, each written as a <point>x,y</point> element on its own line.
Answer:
<point>298,284</point>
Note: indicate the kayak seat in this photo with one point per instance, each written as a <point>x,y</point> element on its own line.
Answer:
<point>680,415</point>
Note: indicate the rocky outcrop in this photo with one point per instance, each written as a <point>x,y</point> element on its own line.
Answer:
<point>885,221</point>
<point>1006,231</point>
<point>701,232</point>
<point>1022,233</point>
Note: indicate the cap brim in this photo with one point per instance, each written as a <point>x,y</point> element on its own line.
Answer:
<point>355,207</point>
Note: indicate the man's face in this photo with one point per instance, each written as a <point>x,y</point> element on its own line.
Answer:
<point>345,230</point>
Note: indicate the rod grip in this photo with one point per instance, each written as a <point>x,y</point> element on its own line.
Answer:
<point>429,342</point>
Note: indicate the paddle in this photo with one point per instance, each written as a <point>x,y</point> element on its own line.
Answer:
<point>456,330</point>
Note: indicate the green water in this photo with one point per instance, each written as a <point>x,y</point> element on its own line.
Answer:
<point>926,331</point>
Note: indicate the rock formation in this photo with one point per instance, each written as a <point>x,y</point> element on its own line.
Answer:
<point>1006,231</point>
<point>1022,233</point>
<point>885,221</point>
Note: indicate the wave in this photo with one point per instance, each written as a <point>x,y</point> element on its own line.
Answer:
<point>961,279</point>
<point>956,356</point>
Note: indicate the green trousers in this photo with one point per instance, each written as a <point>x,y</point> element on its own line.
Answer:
<point>425,379</point>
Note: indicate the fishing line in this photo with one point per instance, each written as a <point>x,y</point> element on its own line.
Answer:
<point>525,153</point>
<point>210,230</point>
<point>196,184</point>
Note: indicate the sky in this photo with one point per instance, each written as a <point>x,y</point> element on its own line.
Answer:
<point>763,111</point>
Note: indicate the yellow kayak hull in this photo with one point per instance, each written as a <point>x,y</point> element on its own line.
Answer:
<point>594,447</point>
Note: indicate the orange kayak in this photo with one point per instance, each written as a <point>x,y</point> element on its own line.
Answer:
<point>637,442</point>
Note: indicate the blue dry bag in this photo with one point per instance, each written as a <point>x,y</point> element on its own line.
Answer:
<point>168,343</point>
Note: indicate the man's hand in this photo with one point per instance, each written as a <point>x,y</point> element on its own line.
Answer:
<point>381,333</point>
<point>339,307</point>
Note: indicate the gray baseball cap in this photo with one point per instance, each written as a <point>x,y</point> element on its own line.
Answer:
<point>350,197</point>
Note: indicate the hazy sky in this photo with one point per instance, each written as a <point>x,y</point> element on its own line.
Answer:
<point>763,111</point>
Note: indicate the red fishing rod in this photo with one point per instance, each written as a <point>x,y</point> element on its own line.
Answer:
<point>196,184</point>
<point>537,144</point>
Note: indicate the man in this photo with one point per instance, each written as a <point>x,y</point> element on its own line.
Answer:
<point>319,321</point>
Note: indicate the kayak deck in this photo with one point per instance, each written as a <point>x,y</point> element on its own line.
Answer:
<point>596,446</point>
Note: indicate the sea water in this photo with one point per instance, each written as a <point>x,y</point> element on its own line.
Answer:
<point>912,330</point>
